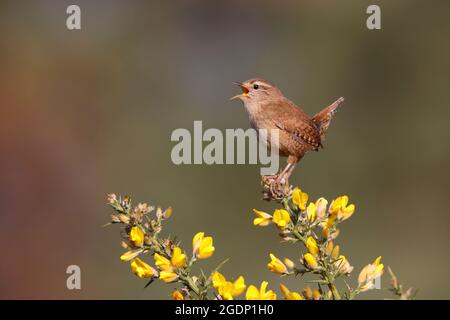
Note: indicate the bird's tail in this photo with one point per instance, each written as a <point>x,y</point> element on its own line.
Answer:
<point>323,118</point>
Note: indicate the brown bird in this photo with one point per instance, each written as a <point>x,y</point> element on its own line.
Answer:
<point>269,109</point>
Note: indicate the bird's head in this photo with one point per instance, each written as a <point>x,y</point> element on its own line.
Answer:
<point>256,90</point>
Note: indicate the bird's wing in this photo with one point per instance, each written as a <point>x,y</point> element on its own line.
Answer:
<point>288,117</point>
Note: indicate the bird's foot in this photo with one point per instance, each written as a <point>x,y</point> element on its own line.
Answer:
<point>275,187</point>
<point>268,180</point>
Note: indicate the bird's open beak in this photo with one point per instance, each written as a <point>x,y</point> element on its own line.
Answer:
<point>244,93</point>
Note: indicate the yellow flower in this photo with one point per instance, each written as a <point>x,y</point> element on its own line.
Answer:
<point>311,244</point>
<point>178,258</point>
<point>310,261</point>
<point>227,289</point>
<point>300,199</point>
<point>137,236</point>
<point>276,265</point>
<point>254,294</point>
<point>335,252</point>
<point>177,295</point>
<point>239,286</point>
<point>342,265</point>
<point>290,295</point>
<point>263,219</point>
<point>308,293</point>
<point>311,212</point>
<point>369,273</point>
<point>168,276</point>
<point>203,246</point>
<point>340,209</point>
<point>281,218</point>
<point>127,256</point>
<point>325,232</point>
<point>142,269</point>
<point>329,248</point>
<point>166,215</point>
<point>218,280</point>
<point>316,294</point>
<point>162,262</point>
<point>321,207</point>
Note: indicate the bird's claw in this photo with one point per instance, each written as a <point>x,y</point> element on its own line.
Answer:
<point>275,187</point>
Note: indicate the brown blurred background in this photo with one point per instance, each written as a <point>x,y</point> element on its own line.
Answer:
<point>85,113</point>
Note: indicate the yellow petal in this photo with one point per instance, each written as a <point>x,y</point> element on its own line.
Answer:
<point>196,241</point>
<point>300,199</point>
<point>325,232</point>
<point>335,205</point>
<point>329,248</point>
<point>290,295</point>
<point>137,236</point>
<point>311,212</point>
<point>178,258</point>
<point>311,244</point>
<point>377,261</point>
<point>335,252</point>
<point>252,293</point>
<point>238,286</point>
<point>310,261</point>
<point>177,295</point>
<point>167,213</point>
<point>284,290</point>
<point>308,293</point>
<point>162,262</point>
<point>142,269</point>
<point>276,265</point>
<point>266,295</point>
<point>168,276</point>
<point>340,209</point>
<point>379,267</point>
<point>281,218</point>
<point>203,246</point>
<point>362,278</point>
<point>226,291</point>
<point>206,248</point>
<point>316,294</point>
<point>379,270</point>
<point>130,254</point>
<point>263,219</point>
<point>347,212</point>
<point>294,296</point>
<point>218,280</point>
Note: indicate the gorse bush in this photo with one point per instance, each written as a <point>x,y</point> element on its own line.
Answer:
<point>313,225</point>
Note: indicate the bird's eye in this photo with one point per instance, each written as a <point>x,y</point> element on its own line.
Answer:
<point>255,86</point>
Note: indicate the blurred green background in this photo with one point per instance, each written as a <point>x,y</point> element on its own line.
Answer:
<point>85,113</point>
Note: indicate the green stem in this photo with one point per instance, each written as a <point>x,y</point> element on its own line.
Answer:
<point>190,283</point>
<point>334,291</point>
<point>353,294</point>
<point>326,276</point>
<point>298,236</point>
<point>285,203</point>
